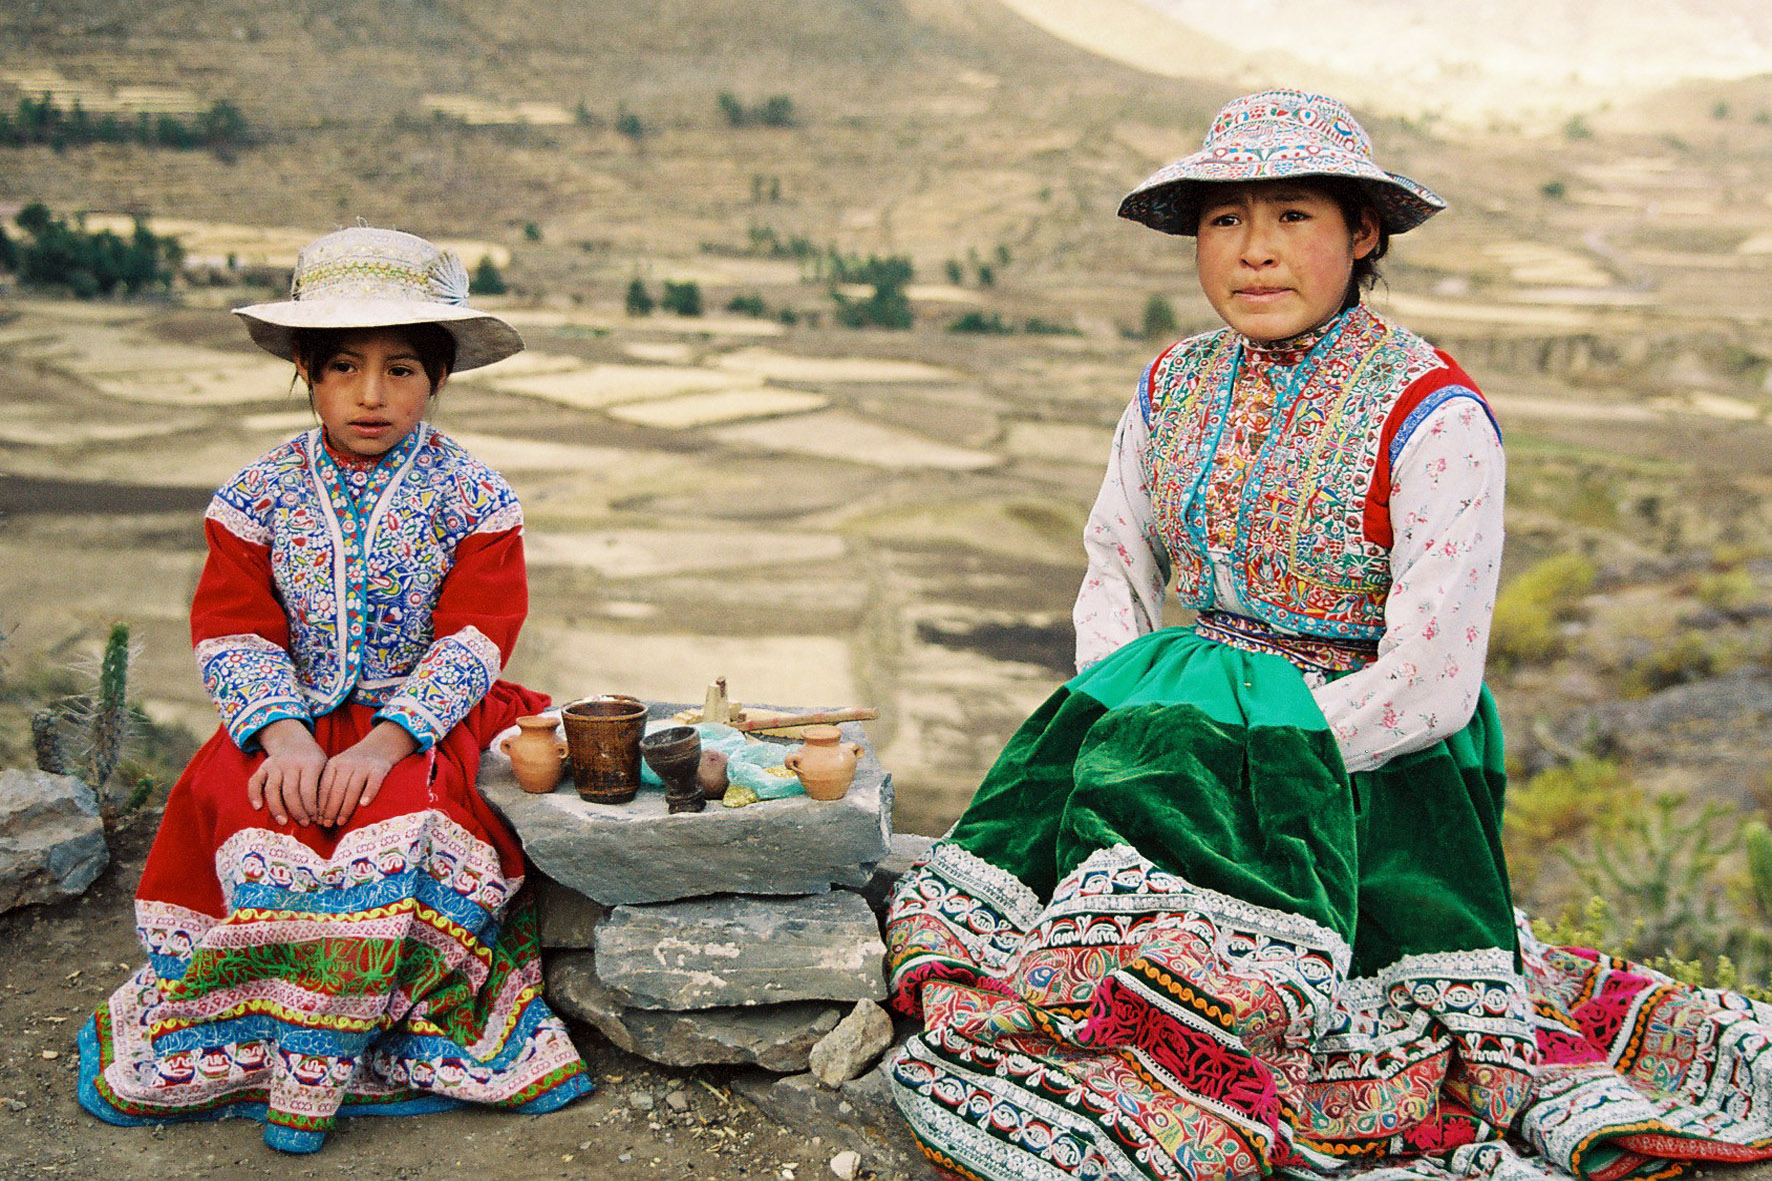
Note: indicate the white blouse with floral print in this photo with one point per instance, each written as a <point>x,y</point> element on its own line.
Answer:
<point>1446,515</point>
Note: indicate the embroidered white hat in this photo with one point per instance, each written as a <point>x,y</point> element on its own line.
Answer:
<point>365,277</point>
<point>1272,136</point>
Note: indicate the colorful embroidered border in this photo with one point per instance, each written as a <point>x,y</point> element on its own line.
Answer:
<point>1307,652</point>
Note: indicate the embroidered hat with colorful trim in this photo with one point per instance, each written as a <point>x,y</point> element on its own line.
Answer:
<point>364,277</point>
<point>1276,135</point>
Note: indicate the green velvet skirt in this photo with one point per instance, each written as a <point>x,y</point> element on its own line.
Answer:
<point>1216,764</point>
<point>1173,937</point>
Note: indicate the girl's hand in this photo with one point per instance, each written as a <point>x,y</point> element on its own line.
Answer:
<point>289,778</point>
<point>353,776</point>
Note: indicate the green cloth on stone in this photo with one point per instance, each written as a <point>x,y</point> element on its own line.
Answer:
<point>1217,765</point>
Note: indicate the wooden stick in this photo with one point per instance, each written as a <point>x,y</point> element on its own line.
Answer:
<point>823,717</point>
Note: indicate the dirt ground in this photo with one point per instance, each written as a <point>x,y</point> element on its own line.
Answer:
<point>57,962</point>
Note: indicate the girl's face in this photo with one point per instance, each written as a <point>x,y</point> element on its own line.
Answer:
<point>370,393</point>
<point>1275,257</point>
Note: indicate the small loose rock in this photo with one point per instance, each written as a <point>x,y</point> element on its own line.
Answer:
<point>845,1164</point>
<point>677,1101</point>
<point>640,1101</point>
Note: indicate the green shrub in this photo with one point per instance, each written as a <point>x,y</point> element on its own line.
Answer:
<point>1658,869</point>
<point>1556,190</point>
<point>979,322</point>
<point>1730,591</point>
<point>748,304</point>
<point>1690,656</point>
<point>1038,327</point>
<point>682,298</point>
<point>775,111</point>
<point>1558,805</point>
<point>1531,609</point>
<point>1159,321</point>
<point>887,307</point>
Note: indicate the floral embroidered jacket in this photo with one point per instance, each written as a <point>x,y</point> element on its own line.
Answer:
<point>399,586</point>
<point>1279,503</point>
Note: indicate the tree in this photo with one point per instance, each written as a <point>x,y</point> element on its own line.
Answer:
<point>639,300</point>
<point>59,255</point>
<point>487,280</point>
<point>222,126</point>
<point>1159,319</point>
<point>777,111</point>
<point>628,124</point>
<point>34,218</point>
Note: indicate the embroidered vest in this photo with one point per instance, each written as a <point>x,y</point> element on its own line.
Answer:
<point>1312,549</point>
<point>359,571</point>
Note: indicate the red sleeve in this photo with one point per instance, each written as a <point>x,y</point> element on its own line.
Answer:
<point>487,589</point>
<point>235,594</point>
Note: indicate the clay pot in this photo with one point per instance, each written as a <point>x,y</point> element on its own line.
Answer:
<point>603,743</point>
<point>674,754</point>
<point>825,765</point>
<point>537,753</point>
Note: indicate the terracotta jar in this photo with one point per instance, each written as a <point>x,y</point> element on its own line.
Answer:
<point>537,753</point>
<point>825,765</point>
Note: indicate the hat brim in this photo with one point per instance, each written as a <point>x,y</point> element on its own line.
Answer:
<point>1169,199</point>
<point>480,337</point>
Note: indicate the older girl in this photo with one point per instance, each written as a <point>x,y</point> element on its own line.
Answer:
<point>329,908</point>
<point>1233,900</point>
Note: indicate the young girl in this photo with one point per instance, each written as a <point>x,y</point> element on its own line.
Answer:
<point>328,909</point>
<point>1233,900</point>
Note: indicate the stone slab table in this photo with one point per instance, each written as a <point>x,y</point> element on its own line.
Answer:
<point>619,854</point>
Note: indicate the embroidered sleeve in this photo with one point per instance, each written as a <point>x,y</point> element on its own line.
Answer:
<point>480,609</point>
<point>241,633</point>
<point>1446,515</point>
<point>1122,593</point>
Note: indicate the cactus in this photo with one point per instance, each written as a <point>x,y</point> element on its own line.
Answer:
<point>46,737</point>
<point>96,725</point>
<point>106,713</point>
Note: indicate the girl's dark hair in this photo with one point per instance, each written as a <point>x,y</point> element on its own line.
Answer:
<point>314,347</point>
